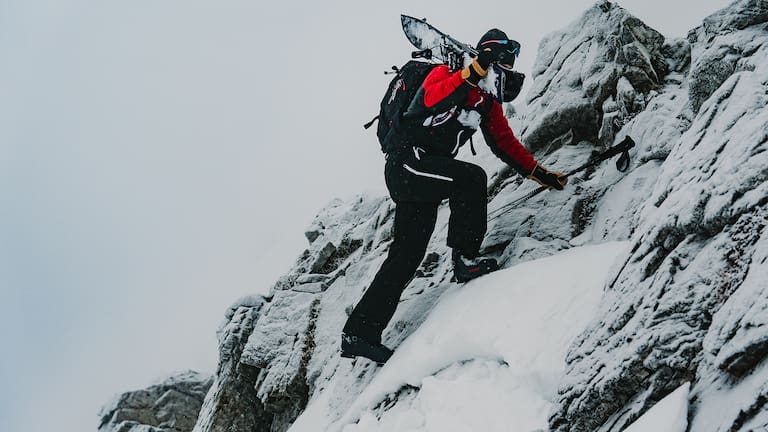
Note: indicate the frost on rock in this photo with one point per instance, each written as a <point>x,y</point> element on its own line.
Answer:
<point>606,54</point>
<point>738,339</point>
<point>738,16</point>
<point>341,231</point>
<point>687,305</point>
<point>280,347</point>
<point>735,349</point>
<point>231,403</point>
<point>171,405</point>
<point>722,47</point>
<point>264,379</point>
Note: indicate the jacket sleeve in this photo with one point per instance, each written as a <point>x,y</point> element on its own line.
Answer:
<point>503,142</point>
<point>443,88</point>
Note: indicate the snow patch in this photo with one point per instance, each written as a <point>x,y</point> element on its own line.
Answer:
<point>669,414</point>
<point>494,347</point>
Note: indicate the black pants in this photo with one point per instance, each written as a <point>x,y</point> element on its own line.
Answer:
<point>418,183</point>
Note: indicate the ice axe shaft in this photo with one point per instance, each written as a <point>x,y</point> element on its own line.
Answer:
<point>620,148</point>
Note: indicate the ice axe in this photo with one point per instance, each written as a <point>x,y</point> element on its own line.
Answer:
<point>622,164</point>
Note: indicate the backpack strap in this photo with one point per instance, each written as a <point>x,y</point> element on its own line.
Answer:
<point>370,123</point>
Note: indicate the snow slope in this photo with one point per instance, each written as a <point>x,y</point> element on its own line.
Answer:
<point>669,414</point>
<point>487,358</point>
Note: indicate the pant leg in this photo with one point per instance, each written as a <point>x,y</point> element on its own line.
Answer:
<point>418,177</point>
<point>414,224</point>
<point>468,222</point>
<point>417,184</point>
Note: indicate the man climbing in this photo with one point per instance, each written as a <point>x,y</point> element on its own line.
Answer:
<point>421,171</point>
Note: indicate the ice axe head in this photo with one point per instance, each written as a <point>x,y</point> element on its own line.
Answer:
<point>622,149</point>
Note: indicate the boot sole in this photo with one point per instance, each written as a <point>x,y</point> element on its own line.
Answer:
<point>473,277</point>
<point>354,356</point>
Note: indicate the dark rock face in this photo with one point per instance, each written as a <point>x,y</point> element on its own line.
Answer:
<point>232,403</point>
<point>715,66</point>
<point>170,406</point>
<point>280,347</point>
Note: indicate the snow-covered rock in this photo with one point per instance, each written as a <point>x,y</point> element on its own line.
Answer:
<point>723,49</point>
<point>592,77</point>
<point>231,403</point>
<point>171,405</point>
<point>683,307</point>
<point>479,361</point>
<point>680,307</point>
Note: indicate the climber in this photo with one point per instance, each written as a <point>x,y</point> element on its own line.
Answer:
<point>421,172</point>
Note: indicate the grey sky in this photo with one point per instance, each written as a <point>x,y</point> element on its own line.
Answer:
<point>161,158</point>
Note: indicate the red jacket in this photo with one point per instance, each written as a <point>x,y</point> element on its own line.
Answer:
<point>450,99</point>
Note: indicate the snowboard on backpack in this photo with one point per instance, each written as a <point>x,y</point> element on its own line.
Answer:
<point>433,43</point>
<point>437,48</point>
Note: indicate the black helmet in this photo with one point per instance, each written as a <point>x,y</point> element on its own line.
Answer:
<point>508,82</point>
<point>507,58</point>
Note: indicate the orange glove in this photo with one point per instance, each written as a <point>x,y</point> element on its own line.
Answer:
<point>474,73</point>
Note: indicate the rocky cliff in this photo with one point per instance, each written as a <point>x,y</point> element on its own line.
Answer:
<point>687,303</point>
<point>171,405</point>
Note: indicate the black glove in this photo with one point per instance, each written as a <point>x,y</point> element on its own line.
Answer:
<point>550,179</point>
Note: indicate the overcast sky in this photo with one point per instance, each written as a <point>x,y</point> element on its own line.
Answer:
<point>161,158</point>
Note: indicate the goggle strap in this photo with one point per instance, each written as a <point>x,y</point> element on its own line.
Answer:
<point>516,45</point>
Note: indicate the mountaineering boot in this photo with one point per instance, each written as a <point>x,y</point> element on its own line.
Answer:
<point>466,269</point>
<point>355,346</point>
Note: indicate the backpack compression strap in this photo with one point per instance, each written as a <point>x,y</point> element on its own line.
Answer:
<point>370,123</point>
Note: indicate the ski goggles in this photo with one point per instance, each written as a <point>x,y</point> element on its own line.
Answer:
<point>507,57</point>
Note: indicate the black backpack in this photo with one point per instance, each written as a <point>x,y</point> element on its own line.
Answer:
<point>394,131</point>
